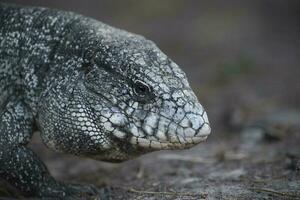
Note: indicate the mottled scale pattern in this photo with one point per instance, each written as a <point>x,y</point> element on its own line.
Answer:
<point>91,90</point>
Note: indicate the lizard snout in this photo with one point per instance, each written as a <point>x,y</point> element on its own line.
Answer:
<point>163,133</point>
<point>196,128</point>
<point>205,129</point>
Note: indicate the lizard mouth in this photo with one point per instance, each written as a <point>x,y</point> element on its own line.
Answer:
<point>174,140</point>
<point>156,145</point>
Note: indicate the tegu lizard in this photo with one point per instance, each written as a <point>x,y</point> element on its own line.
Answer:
<point>90,90</point>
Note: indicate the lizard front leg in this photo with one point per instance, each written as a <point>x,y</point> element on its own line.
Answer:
<point>19,166</point>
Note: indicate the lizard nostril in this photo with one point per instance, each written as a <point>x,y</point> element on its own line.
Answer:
<point>195,121</point>
<point>204,130</point>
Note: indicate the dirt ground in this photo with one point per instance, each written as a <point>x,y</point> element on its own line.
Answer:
<point>242,59</point>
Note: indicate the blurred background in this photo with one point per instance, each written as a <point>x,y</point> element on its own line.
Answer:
<point>242,59</point>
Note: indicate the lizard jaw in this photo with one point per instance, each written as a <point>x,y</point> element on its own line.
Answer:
<point>156,145</point>
<point>183,140</point>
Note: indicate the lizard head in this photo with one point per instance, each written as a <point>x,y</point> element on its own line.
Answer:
<point>129,99</point>
<point>144,101</point>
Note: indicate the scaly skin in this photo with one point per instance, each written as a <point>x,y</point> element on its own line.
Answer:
<point>91,90</point>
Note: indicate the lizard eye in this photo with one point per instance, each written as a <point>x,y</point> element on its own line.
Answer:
<point>141,89</point>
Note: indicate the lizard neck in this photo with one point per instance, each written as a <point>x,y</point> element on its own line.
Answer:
<point>29,39</point>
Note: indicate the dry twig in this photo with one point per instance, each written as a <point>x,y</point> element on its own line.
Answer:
<point>277,193</point>
<point>202,195</point>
